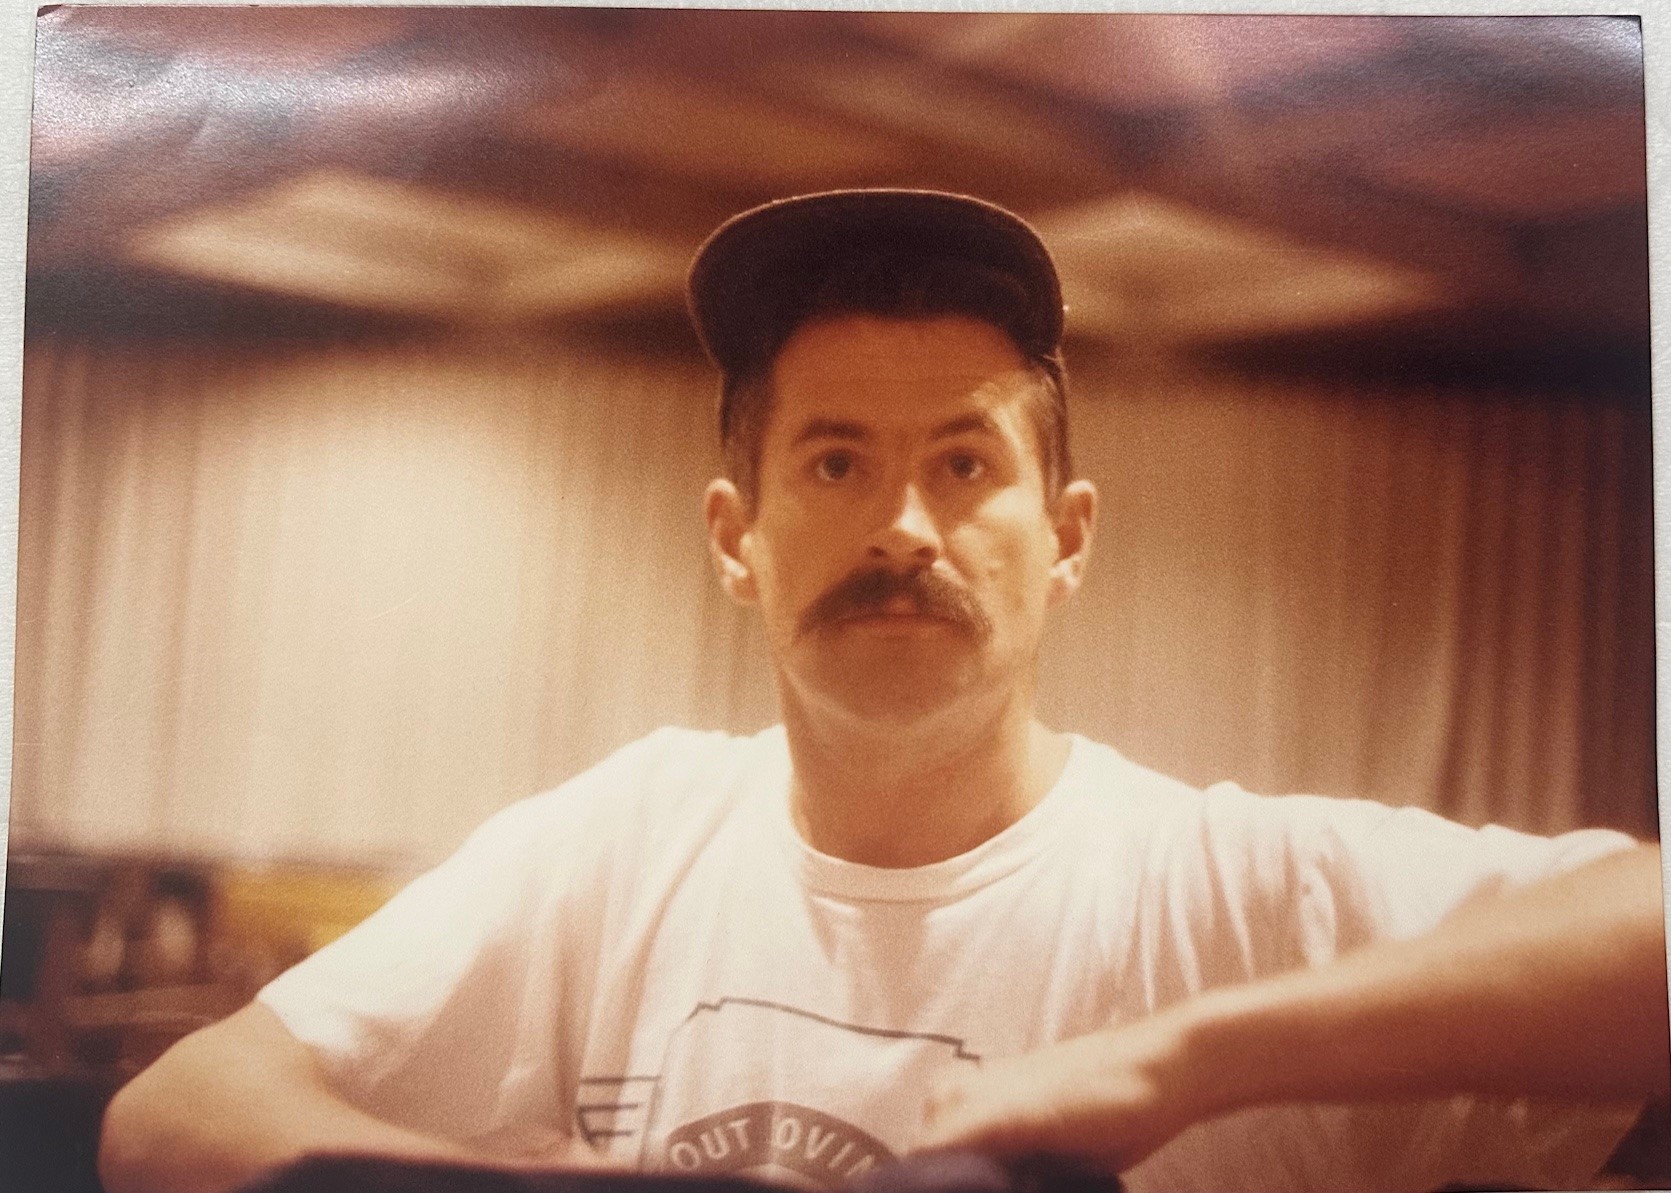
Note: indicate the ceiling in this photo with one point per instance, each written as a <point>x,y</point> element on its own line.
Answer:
<point>1207,183</point>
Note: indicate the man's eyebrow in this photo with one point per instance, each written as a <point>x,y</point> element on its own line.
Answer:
<point>829,428</point>
<point>964,424</point>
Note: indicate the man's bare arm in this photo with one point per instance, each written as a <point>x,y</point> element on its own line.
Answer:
<point>230,1102</point>
<point>1558,990</point>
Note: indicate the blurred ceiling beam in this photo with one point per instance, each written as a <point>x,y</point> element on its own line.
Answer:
<point>1334,169</point>
<point>1137,270</point>
<point>368,243</point>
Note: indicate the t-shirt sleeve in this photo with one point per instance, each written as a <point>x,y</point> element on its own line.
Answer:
<point>439,1012</point>
<point>1396,873</point>
<point>1375,874</point>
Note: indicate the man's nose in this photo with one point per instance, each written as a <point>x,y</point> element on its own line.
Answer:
<point>910,537</point>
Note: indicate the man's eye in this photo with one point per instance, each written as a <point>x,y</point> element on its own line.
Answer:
<point>832,466</point>
<point>965,467</point>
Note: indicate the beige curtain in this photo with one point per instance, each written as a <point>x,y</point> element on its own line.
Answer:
<point>1438,598</point>
<point>345,604</point>
<point>341,604</point>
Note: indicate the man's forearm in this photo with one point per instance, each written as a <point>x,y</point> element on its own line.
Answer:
<point>1557,990</point>
<point>230,1103</point>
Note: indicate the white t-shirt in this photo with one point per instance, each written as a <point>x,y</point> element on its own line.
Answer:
<point>652,959</point>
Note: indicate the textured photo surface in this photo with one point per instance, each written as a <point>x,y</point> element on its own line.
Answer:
<point>364,439</point>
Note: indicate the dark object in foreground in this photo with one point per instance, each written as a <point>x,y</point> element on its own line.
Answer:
<point>946,1172</point>
<point>970,1172</point>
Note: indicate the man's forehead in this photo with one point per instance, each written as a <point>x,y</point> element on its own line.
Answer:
<point>818,428</point>
<point>865,362</point>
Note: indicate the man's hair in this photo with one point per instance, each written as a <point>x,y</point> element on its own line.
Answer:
<point>894,287</point>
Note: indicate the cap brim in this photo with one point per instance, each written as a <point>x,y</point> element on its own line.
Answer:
<point>755,261</point>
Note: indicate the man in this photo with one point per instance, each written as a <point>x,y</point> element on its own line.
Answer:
<point>912,916</point>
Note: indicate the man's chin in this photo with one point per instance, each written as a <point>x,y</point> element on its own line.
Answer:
<point>896,681</point>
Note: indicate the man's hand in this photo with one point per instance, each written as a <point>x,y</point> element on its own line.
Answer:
<point>1110,1098</point>
<point>1557,991</point>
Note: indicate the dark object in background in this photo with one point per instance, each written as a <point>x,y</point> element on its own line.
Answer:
<point>49,1130</point>
<point>106,961</point>
<point>1644,1155</point>
<point>945,1172</point>
<point>51,906</point>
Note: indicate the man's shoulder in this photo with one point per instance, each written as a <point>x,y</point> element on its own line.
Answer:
<point>1289,836</point>
<point>1224,817</point>
<point>670,769</point>
<point>1106,773</point>
<point>1119,780</point>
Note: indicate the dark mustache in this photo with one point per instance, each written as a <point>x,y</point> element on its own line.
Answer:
<point>867,592</point>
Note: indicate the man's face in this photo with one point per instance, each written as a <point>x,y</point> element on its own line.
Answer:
<point>902,548</point>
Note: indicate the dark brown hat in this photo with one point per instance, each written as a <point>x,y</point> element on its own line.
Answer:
<point>766,259</point>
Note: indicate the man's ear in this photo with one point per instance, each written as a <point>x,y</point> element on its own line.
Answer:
<point>1074,518</point>
<point>728,524</point>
